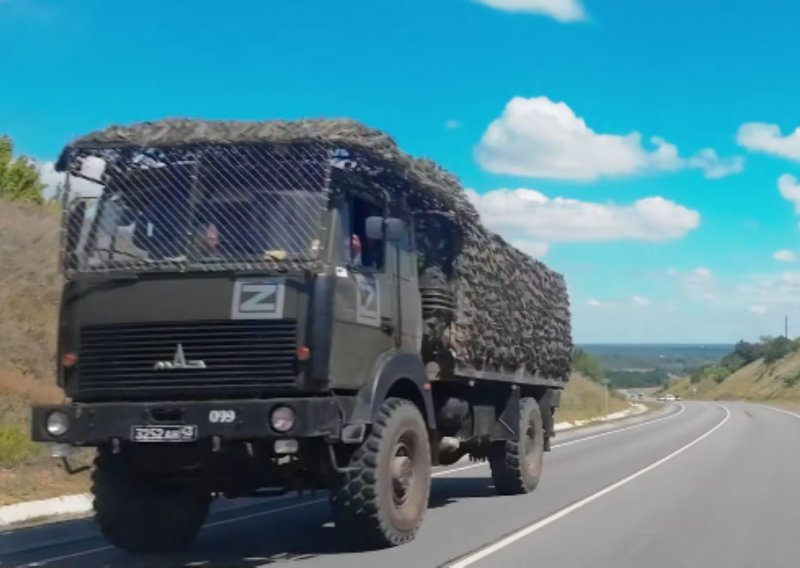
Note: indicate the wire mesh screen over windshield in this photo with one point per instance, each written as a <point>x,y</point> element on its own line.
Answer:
<point>223,207</point>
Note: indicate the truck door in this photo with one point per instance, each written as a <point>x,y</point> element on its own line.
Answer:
<point>365,310</point>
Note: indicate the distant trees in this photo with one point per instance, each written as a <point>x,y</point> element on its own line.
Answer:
<point>19,178</point>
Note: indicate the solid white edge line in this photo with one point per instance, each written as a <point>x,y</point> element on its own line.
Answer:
<point>305,504</point>
<point>530,529</point>
<point>781,410</point>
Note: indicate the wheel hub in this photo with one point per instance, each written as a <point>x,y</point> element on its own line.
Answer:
<point>402,469</point>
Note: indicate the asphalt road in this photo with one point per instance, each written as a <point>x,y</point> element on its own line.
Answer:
<point>700,485</point>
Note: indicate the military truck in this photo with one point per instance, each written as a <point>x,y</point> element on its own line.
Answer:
<point>251,308</point>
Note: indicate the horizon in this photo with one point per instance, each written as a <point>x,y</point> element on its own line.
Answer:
<point>659,176</point>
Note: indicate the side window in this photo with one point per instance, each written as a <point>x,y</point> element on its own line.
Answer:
<point>364,252</point>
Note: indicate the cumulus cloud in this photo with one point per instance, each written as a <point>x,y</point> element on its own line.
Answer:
<point>641,301</point>
<point>768,139</point>
<point>594,303</point>
<point>785,255</point>
<point>538,137</point>
<point>529,214</point>
<point>561,10</point>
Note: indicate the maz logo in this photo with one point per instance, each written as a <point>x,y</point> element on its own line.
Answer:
<point>258,298</point>
<point>179,361</point>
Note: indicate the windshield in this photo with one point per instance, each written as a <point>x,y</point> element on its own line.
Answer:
<point>219,211</point>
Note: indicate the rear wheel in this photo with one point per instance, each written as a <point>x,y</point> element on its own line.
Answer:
<point>384,497</point>
<point>145,515</point>
<point>517,464</point>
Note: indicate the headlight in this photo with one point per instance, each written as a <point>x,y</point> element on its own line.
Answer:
<point>57,423</point>
<point>282,419</point>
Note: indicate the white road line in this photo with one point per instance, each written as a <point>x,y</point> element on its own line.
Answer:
<point>617,431</point>
<point>471,559</point>
<point>315,501</point>
<point>781,410</point>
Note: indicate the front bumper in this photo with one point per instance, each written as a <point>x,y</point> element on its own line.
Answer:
<point>98,423</point>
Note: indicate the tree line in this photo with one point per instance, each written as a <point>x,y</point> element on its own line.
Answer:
<point>771,349</point>
<point>19,177</point>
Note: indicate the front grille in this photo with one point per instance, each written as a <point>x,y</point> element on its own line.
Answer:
<point>251,356</point>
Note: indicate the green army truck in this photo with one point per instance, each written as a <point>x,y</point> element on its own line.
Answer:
<point>251,308</point>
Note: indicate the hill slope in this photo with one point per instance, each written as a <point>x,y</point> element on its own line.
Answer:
<point>584,399</point>
<point>758,381</point>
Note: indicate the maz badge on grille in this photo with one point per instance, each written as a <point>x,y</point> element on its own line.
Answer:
<point>179,362</point>
<point>258,298</point>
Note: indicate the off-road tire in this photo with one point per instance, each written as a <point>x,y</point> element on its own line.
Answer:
<point>365,506</point>
<point>517,464</point>
<point>144,516</point>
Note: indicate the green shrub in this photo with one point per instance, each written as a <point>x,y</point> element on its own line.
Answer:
<point>587,365</point>
<point>789,382</point>
<point>15,446</point>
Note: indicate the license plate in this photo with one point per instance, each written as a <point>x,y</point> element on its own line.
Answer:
<point>164,433</point>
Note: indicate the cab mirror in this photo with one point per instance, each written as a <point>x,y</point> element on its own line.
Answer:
<point>373,228</point>
<point>395,230</point>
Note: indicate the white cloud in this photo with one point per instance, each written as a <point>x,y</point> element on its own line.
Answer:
<point>758,309</point>
<point>715,167</point>
<point>790,190</point>
<point>535,249</point>
<point>538,137</point>
<point>529,214</point>
<point>700,284</point>
<point>452,124</point>
<point>641,301</point>
<point>594,303</point>
<point>561,10</point>
<point>768,139</point>
<point>785,256</point>
<point>92,167</point>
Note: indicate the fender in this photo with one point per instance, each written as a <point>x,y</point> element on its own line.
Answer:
<point>387,370</point>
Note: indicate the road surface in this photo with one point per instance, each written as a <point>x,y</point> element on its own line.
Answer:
<point>700,485</point>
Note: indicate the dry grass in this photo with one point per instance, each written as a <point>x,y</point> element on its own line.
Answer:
<point>584,399</point>
<point>29,289</point>
<point>29,293</point>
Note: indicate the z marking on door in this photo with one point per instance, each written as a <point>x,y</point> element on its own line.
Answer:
<point>368,304</point>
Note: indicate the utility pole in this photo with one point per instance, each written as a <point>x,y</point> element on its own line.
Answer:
<point>606,383</point>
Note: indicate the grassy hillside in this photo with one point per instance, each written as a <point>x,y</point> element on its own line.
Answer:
<point>584,399</point>
<point>28,314</point>
<point>758,381</point>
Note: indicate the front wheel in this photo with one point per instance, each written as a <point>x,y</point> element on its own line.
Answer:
<point>384,496</point>
<point>517,464</point>
<point>145,515</point>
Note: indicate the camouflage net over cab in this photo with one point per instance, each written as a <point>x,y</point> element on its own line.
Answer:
<point>512,312</point>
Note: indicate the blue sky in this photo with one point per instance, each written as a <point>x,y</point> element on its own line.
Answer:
<point>616,126</point>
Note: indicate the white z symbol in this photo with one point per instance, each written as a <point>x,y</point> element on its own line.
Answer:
<point>257,299</point>
<point>260,293</point>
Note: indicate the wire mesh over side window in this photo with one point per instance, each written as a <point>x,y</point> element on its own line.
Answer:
<point>213,208</point>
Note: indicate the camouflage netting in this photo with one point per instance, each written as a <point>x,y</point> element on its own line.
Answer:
<point>512,312</point>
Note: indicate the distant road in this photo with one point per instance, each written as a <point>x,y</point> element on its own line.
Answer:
<point>699,485</point>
